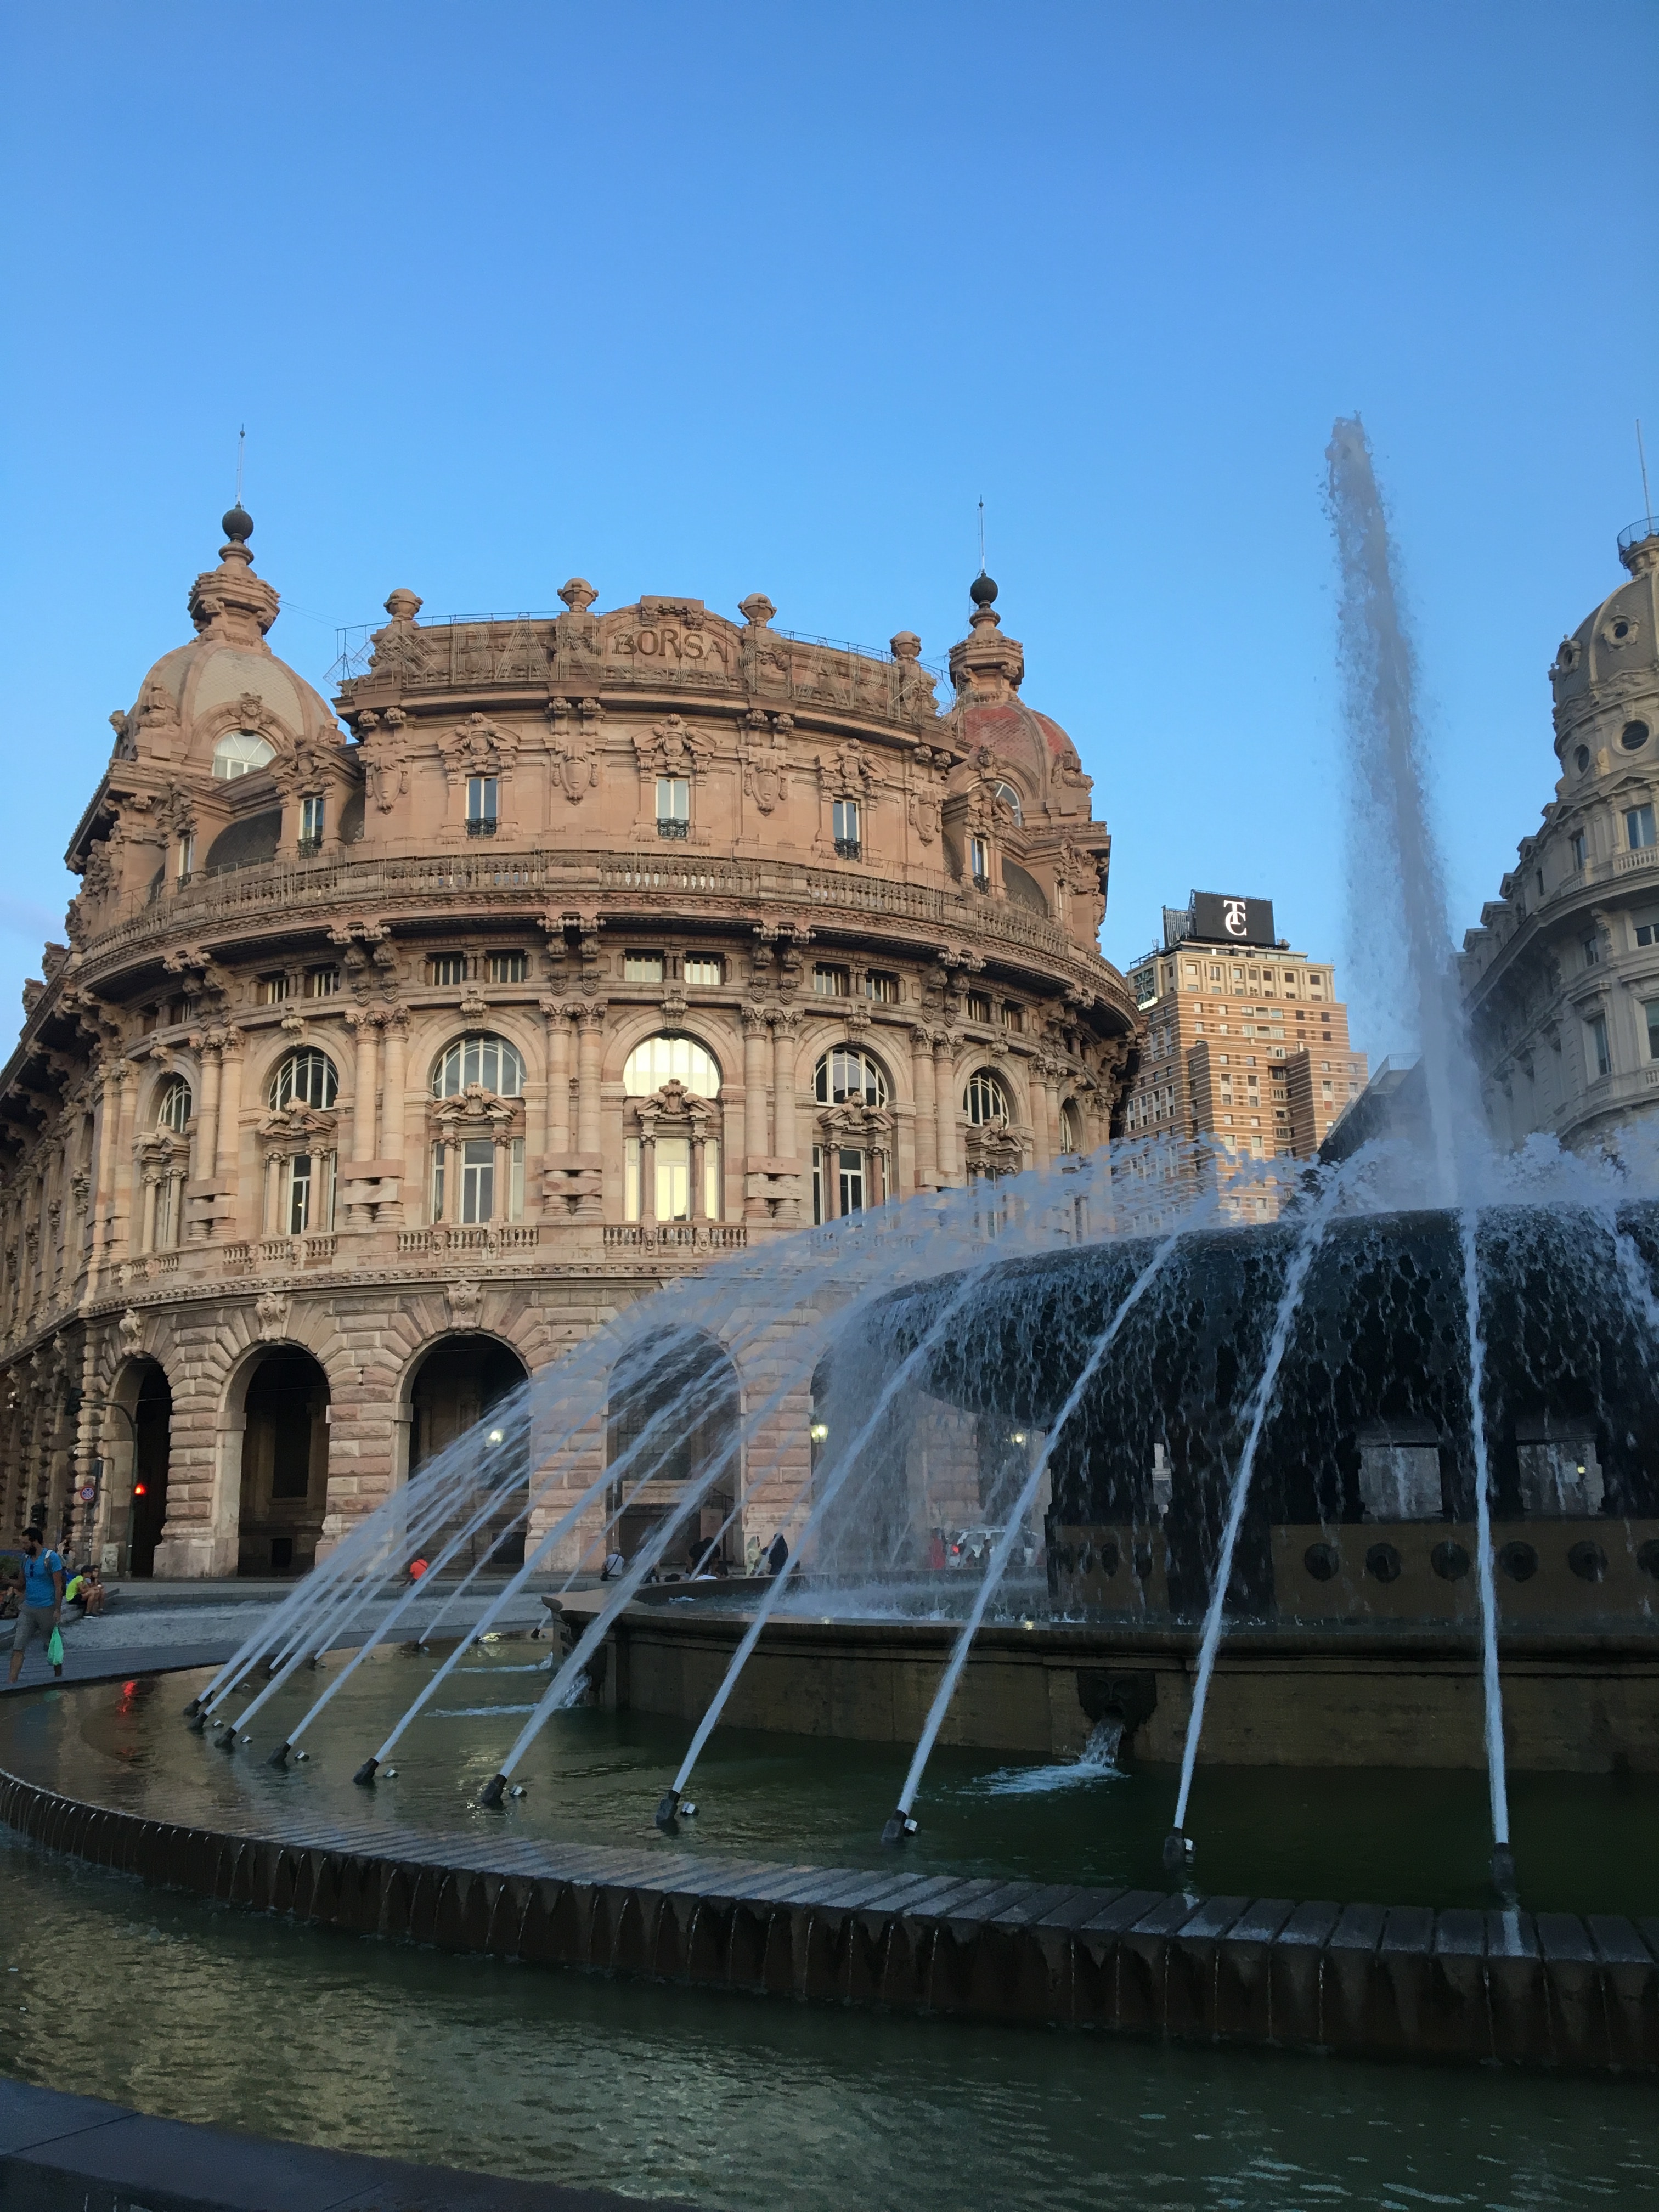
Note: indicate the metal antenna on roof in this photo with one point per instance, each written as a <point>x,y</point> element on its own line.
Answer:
<point>982,534</point>
<point>1640,455</point>
<point>241,443</point>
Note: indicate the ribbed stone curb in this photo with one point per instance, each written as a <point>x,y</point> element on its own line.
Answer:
<point>1360,1979</point>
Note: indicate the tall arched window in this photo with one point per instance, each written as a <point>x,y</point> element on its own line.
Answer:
<point>307,1077</point>
<point>985,1099</point>
<point>172,1107</point>
<point>662,1059</point>
<point>489,1061</point>
<point>847,1077</point>
<point>1069,1136</point>
<point>1009,797</point>
<point>240,753</point>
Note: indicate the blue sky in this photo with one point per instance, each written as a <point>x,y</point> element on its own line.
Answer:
<point>740,298</point>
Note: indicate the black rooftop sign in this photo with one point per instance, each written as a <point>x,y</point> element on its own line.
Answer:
<point>1220,919</point>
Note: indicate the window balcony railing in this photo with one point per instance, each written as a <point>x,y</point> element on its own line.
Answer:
<point>309,848</point>
<point>665,828</point>
<point>981,882</point>
<point>849,848</point>
<point>480,825</point>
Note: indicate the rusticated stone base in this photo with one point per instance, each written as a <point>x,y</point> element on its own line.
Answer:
<point>1361,1979</point>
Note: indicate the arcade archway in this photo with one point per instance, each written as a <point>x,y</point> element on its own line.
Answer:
<point>676,1414</point>
<point>456,1384</point>
<point>284,1491</point>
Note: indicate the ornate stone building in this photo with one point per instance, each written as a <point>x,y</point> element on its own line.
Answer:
<point>1561,980</point>
<point>389,1054</point>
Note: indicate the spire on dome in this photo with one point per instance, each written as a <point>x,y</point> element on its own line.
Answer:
<point>986,666</point>
<point>230,603</point>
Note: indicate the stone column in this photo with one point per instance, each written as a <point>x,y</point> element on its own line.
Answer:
<point>784,1028</point>
<point>558,1077</point>
<point>945,1095</point>
<point>391,1111</point>
<point>1044,1116</point>
<point>229,1147</point>
<point>364,1075</point>
<point>697,1143</point>
<point>152,1191</point>
<point>121,1164</point>
<point>589,1055</point>
<point>755,1143</point>
<point>207,1123</point>
<point>924,1124</point>
<point>647,1172</point>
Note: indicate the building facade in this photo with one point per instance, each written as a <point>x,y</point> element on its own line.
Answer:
<point>390,1053</point>
<point>1561,980</point>
<point>1246,1041</point>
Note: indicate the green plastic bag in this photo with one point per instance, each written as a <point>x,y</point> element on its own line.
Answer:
<point>55,1647</point>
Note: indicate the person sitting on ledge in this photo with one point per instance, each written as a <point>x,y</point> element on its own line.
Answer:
<point>777,1554</point>
<point>42,1607</point>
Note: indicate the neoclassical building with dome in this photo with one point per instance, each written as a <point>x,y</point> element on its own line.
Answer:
<point>397,1044</point>
<point>1561,980</point>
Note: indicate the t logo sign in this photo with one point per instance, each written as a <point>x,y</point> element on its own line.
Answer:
<point>1235,917</point>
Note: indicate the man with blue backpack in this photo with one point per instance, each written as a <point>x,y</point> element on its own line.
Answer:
<point>42,1607</point>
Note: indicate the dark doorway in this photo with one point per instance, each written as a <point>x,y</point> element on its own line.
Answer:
<point>284,1465</point>
<point>455,1387</point>
<point>675,1415</point>
<point>152,1421</point>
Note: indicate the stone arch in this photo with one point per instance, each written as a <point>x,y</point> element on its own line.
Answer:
<point>281,1401</point>
<point>673,1430</point>
<point>449,1387</point>
<point>136,1452</point>
<point>437,1037</point>
<point>822,1032</point>
<point>640,1023</point>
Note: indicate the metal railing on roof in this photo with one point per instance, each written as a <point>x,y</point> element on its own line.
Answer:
<point>1635,533</point>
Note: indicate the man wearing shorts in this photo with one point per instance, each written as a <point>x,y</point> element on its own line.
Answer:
<point>42,1608</point>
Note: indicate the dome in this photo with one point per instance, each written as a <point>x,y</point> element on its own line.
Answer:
<point>228,680</point>
<point>1609,665</point>
<point>989,716</point>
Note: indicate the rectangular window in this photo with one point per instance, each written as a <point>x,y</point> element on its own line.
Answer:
<point>186,857</point>
<point>848,844</point>
<point>852,1182</point>
<point>673,807</point>
<point>630,1178</point>
<point>1013,1017</point>
<point>1593,950</point>
<point>711,1178</point>
<point>643,968</point>
<point>299,1194</point>
<point>311,824</point>
<point>1576,842</point>
<point>1596,1031</point>
<point>1652,1011</point>
<point>884,988</point>
<point>322,982</point>
<point>273,989</point>
<point>448,968</point>
<point>439,1163</point>
<point>673,1178</point>
<point>478,1179</point>
<point>831,982</point>
<point>1647,932</point>
<point>1638,827</point>
<point>508,967</point>
<point>703,970</point>
<point>515,1180</point>
<point>979,862</point>
<point>481,803</point>
<point>979,1006</point>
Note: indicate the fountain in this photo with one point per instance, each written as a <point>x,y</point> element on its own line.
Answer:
<point>1098,1476</point>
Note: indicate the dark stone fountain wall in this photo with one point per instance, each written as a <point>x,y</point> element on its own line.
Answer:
<point>1379,1344</point>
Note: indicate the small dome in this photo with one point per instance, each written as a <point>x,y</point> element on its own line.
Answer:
<point>238,525</point>
<point>981,591</point>
<point>1610,664</point>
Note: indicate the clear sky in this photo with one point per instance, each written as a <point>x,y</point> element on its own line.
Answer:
<point>738,298</point>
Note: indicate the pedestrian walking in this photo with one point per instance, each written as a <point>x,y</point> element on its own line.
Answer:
<point>42,1608</point>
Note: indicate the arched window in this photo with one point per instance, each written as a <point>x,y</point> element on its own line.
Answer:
<point>239,753</point>
<point>985,1099</point>
<point>1070,1141</point>
<point>172,1107</point>
<point>662,1059</point>
<point>305,1078</point>
<point>489,1061</point>
<point>849,1077</point>
<point>1009,797</point>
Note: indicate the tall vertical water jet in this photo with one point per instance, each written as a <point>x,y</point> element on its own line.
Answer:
<point>1396,879</point>
<point>1397,884</point>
